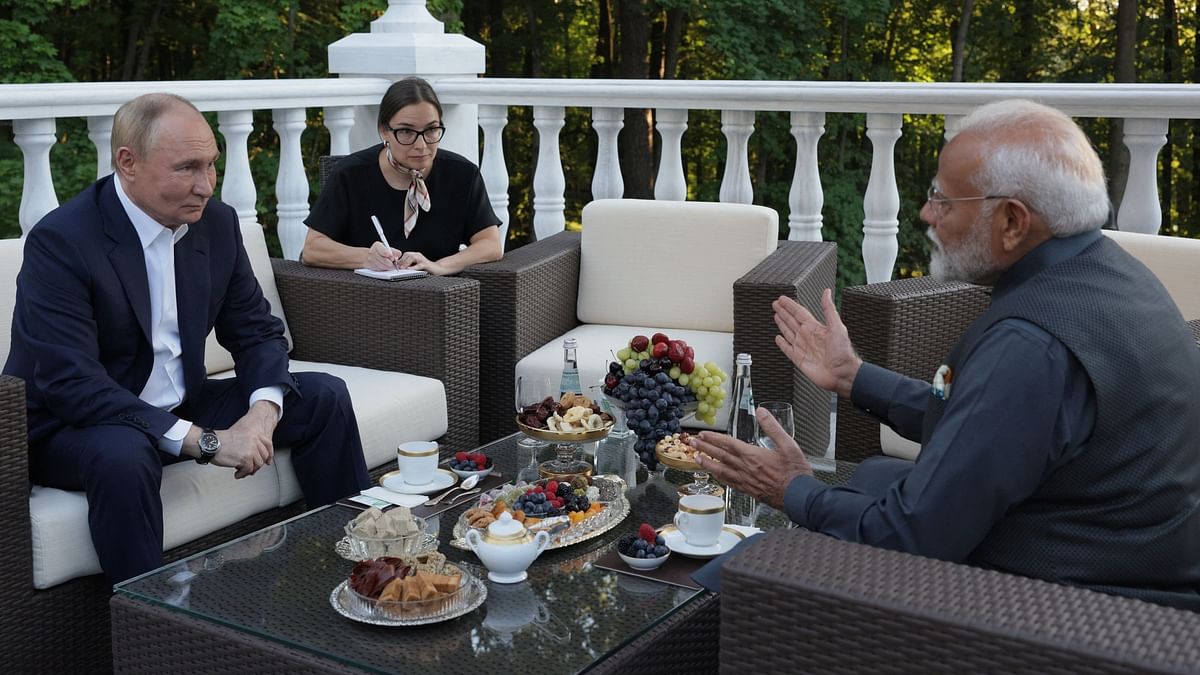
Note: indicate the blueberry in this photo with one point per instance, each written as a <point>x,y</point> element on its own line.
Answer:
<point>660,550</point>
<point>660,541</point>
<point>639,553</point>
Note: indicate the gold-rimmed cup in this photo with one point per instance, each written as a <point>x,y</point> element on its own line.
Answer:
<point>700,518</point>
<point>417,461</point>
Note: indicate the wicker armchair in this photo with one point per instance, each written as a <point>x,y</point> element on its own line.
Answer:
<point>529,298</point>
<point>425,327</point>
<point>804,602</point>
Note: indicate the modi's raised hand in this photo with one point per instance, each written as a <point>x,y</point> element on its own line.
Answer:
<point>822,351</point>
<point>759,472</point>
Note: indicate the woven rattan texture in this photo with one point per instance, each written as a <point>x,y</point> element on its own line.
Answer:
<point>526,299</point>
<point>839,607</point>
<point>801,270</point>
<point>687,642</point>
<point>906,325</point>
<point>1195,326</point>
<point>426,326</point>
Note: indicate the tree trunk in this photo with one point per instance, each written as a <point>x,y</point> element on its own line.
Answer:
<point>533,52</point>
<point>675,20</point>
<point>602,65</point>
<point>1124,70</point>
<point>959,47</point>
<point>635,141</point>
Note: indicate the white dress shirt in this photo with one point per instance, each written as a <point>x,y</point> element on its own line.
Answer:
<point>165,388</point>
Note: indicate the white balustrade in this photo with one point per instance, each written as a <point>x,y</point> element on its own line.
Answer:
<point>100,133</point>
<point>493,119</point>
<point>549,183</point>
<point>291,185</point>
<point>237,184</point>
<point>881,205</point>
<point>35,137</point>
<point>737,125</point>
<point>951,124</point>
<point>1140,210</point>
<point>339,120</point>
<point>670,184</point>
<point>607,182</point>
<point>806,199</point>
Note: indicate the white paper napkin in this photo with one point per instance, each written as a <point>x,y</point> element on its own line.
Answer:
<point>746,530</point>
<point>382,493</point>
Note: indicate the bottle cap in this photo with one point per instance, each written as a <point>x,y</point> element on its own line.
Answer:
<point>743,360</point>
<point>570,343</point>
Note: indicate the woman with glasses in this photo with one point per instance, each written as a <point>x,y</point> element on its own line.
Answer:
<point>431,206</point>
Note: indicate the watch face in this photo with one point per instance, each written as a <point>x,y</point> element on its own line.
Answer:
<point>209,442</point>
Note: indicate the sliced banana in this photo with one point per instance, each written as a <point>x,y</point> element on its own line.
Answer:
<point>595,422</point>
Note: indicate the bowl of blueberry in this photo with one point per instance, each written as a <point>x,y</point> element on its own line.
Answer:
<point>644,550</point>
<point>467,464</point>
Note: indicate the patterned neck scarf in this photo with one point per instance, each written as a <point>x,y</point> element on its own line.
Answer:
<point>417,197</point>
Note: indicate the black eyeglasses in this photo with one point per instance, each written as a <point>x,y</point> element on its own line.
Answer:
<point>406,136</point>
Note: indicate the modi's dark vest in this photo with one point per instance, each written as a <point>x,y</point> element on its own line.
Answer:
<point>1124,515</point>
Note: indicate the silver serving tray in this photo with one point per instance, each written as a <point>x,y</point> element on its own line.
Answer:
<point>470,597</point>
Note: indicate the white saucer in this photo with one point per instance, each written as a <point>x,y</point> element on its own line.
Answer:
<point>393,481</point>
<point>675,541</point>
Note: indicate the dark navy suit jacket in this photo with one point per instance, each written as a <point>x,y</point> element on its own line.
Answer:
<point>81,327</point>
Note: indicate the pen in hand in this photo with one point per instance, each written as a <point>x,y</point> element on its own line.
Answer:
<point>383,238</point>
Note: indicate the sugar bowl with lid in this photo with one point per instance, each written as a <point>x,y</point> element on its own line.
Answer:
<point>507,548</point>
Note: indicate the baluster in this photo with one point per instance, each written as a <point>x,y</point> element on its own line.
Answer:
<point>493,119</point>
<point>237,185</point>
<point>549,184</point>
<point>291,185</point>
<point>100,132</point>
<point>670,184</point>
<point>952,123</point>
<point>35,138</point>
<point>882,202</point>
<point>1140,210</point>
<point>737,125</point>
<point>806,198</point>
<point>339,120</point>
<point>606,181</point>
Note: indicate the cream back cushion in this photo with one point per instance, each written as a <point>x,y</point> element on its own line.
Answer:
<point>216,358</point>
<point>669,264</point>
<point>1174,260</point>
<point>11,251</point>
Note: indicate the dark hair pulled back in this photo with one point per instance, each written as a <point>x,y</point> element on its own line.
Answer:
<point>406,92</point>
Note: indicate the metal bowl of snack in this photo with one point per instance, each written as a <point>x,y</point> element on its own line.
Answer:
<point>675,452</point>
<point>572,436</point>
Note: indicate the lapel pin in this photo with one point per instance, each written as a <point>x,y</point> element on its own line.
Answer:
<point>941,382</point>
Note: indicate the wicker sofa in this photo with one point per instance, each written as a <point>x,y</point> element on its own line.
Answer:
<point>424,333</point>
<point>804,602</point>
<point>529,298</point>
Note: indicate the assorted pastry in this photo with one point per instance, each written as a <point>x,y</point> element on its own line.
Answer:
<point>406,584</point>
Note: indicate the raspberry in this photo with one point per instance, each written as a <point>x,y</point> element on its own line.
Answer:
<point>552,487</point>
<point>646,532</point>
<point>479,459</point>
<point>460,456</point>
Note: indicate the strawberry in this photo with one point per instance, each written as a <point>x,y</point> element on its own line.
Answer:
<point>646,531</point>
<point>460,456</point>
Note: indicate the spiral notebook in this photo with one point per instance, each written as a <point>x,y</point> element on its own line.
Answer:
<point>391,275</point>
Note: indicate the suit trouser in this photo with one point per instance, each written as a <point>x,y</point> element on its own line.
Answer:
<point>120,467</point>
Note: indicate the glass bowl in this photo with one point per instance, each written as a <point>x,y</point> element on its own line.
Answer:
<point>411,609</point>
<point>362,547</point>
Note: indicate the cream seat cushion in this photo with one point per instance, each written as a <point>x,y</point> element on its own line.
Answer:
<point>669,264</point>
<point>598,341</point>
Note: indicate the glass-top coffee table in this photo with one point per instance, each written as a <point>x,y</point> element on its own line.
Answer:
<point>262,602</point>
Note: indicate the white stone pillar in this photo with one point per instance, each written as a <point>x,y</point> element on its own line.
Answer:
<point>806,198</point>
<point>881,205</point>
<point>493,119</point>
<point>237,185</point>
<point>100,133</point>
<point>291,185</point>
<point>35,138</point>
<point>607,182</point>
<point>408,40</point>
<point>1140,210</point>
<point>549,184</point>
<point>339,120</point>
<point>737,125</point>
<point>670,184</point>
<point>952,122</point>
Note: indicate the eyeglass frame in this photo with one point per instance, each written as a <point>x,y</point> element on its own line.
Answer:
<point>935,197</point>
<point>441,129</point>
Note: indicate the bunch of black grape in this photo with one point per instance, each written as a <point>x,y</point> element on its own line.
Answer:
<point>654,403</point>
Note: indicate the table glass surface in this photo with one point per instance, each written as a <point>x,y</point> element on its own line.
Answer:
<point>276,583</point>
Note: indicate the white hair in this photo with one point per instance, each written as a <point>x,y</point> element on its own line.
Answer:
<point>1038,155</point>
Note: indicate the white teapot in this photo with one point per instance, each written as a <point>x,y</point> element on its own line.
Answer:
<point>507,549</point>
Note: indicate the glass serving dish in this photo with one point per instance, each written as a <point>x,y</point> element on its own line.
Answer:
<point>470,594</point>
<point>361,547</point>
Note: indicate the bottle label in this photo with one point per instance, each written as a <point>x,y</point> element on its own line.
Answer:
<point>569,383</point>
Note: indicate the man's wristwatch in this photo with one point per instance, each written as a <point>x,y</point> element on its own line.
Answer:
<point>209,445</point>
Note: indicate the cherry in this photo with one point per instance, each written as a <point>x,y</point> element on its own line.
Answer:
<point>639,343</point>
<point>659,337</point>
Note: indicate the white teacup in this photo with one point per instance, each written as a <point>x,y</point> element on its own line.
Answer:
<point>700,518</point>
<point>418,461</point>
